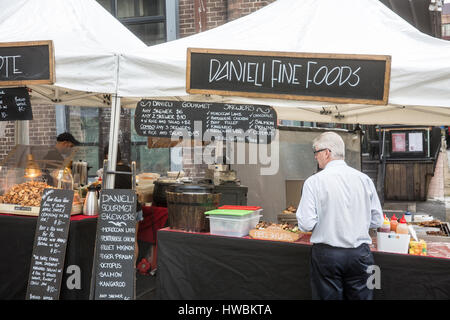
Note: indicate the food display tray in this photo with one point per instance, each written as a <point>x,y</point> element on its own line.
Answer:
<point>17,209</point>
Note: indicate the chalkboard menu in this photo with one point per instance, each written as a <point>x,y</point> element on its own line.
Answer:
<point>299,76</point>
<point>23,63</point>
<point>50,241</point>
<point>206,120</point>
<point>115,244</point>
<point>15,104</point>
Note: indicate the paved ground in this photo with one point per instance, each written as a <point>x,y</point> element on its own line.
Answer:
<point>145,287</point>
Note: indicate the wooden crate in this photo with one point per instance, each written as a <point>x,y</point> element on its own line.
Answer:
<point>407,181</point>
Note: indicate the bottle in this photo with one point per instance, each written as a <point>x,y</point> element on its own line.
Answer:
<point>394,223</point>
<point>402,227</point>
<point>386,226</point>
<point>408,216</point>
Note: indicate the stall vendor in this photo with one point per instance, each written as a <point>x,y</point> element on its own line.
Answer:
<point>55,157</point>
<point>63,147</point>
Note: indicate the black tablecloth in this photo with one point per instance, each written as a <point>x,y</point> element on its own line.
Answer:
<point>16,239</point>
<point>203,266</point>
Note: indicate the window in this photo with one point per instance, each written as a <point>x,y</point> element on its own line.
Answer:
<point>83,123</point>
<point>150,20</point>
<point>155,160</point>
<point>446,30</point>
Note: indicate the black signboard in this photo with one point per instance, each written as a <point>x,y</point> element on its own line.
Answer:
<point>206,120</point>
<point>50,241</point>
<point>299,76</point>
<point>15,104</point>
<point>23,63</point>
<point>114,271</point>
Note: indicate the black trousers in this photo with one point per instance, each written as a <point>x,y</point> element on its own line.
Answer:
<point>340,273</point>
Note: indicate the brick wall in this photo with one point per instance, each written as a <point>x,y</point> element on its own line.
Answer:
<point>42,130</point>
<point>240,8</point>
<point>43,126</point>
<point>218,12</point>
<point>7,138</point>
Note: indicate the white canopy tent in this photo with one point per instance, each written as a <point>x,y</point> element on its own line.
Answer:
<point>420,72</point>
<point>87,44</point>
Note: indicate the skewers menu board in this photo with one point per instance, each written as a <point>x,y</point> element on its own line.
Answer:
<point>113,271</point>
<point>206,120</point>
<point>50,241</point>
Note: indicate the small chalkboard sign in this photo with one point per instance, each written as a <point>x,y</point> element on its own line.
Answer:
<point>15,104</point>
<point>206,121</point>
<point>50,241</point>
<point>23,63</point>
<point>114,265</point>
<point>341,78</point>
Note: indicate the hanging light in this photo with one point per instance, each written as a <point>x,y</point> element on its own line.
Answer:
<point>32,170</point>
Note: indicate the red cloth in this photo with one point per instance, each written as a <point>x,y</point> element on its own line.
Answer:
<point>155,218</point>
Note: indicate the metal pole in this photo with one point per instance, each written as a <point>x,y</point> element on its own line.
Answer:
<point>22,132</point>
<point>113,141</point>
<point>113,132</point>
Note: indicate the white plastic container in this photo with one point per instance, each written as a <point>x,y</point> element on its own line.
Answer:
<point>232,227</point>
<point>393,242</point>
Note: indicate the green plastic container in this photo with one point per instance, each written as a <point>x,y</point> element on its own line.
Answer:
<point>231,213</point>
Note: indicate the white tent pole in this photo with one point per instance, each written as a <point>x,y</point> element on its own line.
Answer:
<point>113,134</point>
<point>22,132</point>
<point>113,140</point>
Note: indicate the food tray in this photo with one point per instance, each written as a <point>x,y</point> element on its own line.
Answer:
<point>274,234</point>
<point>17,209</point>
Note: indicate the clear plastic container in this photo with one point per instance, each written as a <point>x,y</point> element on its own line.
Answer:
<point>232,227</point>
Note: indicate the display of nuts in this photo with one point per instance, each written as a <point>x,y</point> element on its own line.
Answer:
<point>25,194</point>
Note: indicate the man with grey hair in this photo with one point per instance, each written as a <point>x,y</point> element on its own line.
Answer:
<point>339,204</point>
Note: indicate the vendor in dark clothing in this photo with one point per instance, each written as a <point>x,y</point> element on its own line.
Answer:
<point>56,156</point>
<point>63,147</point>
<point>122,181</point>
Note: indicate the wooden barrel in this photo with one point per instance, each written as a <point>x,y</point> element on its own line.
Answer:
<point>187,205</point>
<point>159,191</point>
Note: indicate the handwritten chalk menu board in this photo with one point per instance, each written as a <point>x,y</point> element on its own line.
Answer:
<point>15,104</point>
<point>49,249</point>
<point>204,120</point>
<point>115,242</point>
<point>299,76</point>
<point>23,63</point>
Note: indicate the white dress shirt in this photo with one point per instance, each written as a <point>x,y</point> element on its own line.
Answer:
<point>339,204</point>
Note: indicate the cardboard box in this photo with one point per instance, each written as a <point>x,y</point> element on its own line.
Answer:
<point>393,242</point>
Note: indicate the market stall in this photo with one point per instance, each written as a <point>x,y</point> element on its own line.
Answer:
<point>17,234</point>
<point>273,36</point>
<point>201,266</point>
<point>65,53</point>
<point>123,78</point>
